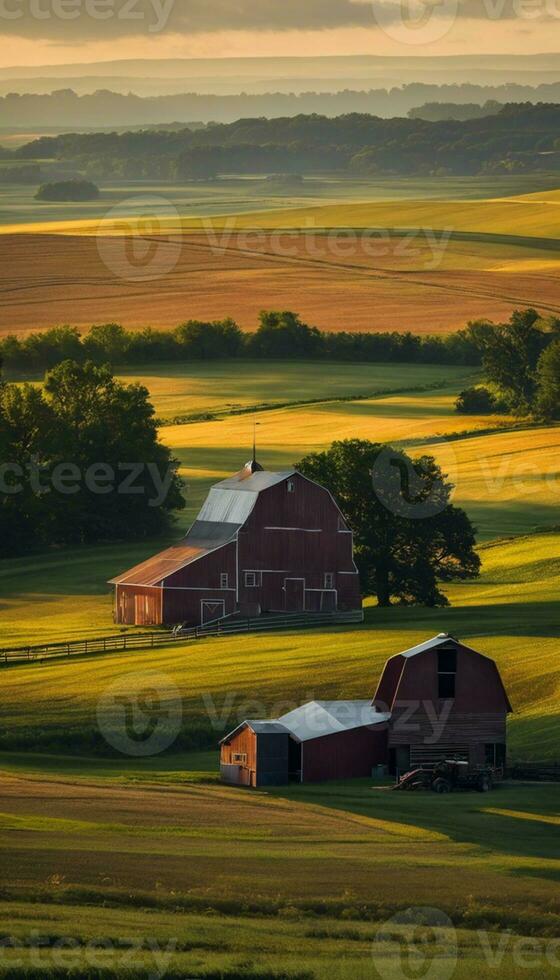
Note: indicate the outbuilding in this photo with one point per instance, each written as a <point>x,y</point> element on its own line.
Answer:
<point>317,741</point>
<point>439,699</point>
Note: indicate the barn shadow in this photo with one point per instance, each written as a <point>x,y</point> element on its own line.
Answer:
<point>513,820</point>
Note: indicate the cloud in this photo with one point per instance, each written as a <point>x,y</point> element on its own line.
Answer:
<point>67,21</point>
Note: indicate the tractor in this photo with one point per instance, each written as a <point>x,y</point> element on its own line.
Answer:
<point>448,775</point>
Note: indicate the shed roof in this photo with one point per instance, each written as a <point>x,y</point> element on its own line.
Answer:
<point>317,719</point>
<point>260,727</point>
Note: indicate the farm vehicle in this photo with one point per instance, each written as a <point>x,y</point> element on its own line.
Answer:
<point>449,775</point>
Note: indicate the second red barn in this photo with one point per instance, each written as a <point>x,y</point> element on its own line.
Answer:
<point>263,542</point>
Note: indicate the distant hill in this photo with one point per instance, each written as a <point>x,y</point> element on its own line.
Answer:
<point>64,108</point>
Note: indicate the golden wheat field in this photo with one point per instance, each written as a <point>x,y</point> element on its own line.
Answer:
<point>423,282</point>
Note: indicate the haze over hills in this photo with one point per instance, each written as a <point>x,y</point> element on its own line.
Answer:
<point>258,75</point>
<point>65,109</point>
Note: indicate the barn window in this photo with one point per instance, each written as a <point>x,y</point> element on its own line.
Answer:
<point>252,579</point>
<point>495,754</point>
<point>290,486</point>
<point>224,580</point>
<point>240,757</point>
<point>329,580</point>
<point>447,672</point>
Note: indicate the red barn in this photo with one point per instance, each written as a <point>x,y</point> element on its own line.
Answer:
<point>263,542</point>
<point>440,699</point>
<point>445,699</point>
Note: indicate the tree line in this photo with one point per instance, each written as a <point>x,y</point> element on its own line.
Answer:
<point>280,335</point>
<point>517,138</point>
<point>521,364</point>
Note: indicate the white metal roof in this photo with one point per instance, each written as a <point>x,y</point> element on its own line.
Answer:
<point>253,482</point>
<point>436,641</point>
<point>317,718</point>
<point>227,506</point>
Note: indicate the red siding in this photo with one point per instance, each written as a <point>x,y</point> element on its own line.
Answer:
<point>289,535</point>
<point>435,727</point>
<point>344,755</point>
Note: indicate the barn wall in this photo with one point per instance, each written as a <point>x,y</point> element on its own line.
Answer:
<point>435,727</point>
<point>478,684</point>
<point>297,535</point>
<point>138,605</point>
<point>245,743</point>
<point>184,590</point>
<point>344,755</point>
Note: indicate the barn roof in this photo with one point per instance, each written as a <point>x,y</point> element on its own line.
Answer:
<point>317,719</point>
<point>202,538</point>
<point>260,727</point>
<point>226,508</point>
<point>436,641</point>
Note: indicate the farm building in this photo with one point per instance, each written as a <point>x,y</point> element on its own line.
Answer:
<point>263,542</point>
<point>440,699</point>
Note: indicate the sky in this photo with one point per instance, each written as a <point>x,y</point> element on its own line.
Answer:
<point>47,32</point>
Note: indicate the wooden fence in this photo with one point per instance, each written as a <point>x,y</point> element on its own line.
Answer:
<point>37,653</point>
<point>537,771</point>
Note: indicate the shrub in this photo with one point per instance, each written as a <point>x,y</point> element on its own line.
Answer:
<point>477,401</point>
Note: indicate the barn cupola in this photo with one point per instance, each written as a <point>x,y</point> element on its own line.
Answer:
<point>253,466</point>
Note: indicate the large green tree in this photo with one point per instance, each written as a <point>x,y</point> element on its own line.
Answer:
<point>548,374</point>
<point>511,352</point>
<point>80,461</point>
<point>408,537</point>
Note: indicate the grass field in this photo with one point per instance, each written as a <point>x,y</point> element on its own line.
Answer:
<point>511,613</point>
<point>18,208</point>
<point>298,884</point>
<point>506,478</point>
<point>149,867</point>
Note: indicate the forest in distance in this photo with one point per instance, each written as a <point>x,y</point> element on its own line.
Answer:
<point>518,139</point>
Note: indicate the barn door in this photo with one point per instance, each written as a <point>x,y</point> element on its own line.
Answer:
<point>294,594</point>
<point>211,609</point>
<point>145,610</point>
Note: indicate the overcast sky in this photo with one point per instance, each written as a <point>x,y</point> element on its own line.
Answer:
<point>35,32</point>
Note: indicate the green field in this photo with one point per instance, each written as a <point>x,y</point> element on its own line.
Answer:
<point>510,613</point>
<point>220,387</point>
<point>506,478</point>
<point>302,883</point>
<point>237,195</point>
